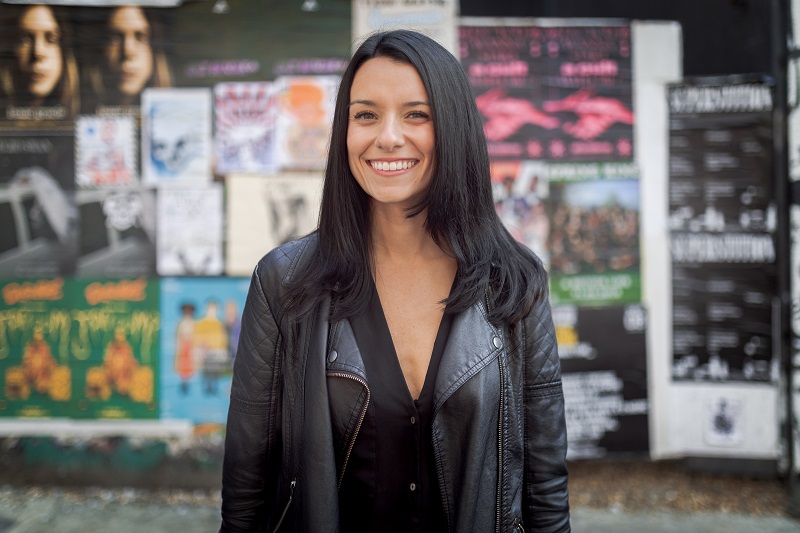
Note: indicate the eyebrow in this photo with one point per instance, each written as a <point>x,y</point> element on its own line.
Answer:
<point>372,103</point>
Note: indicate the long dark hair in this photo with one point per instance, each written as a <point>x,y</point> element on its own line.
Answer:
<point>458,205</point>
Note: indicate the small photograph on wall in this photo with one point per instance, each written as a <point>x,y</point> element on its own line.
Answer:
<point>190,227</point>
<point>304,120</point>
<point>724,424</point>
<point>105,151</point>
<point>117,232</point>
<point>267,211</point>
<point>36,379</point>
<point>200,325</point>
<point>176,136</point>
<point>113,347</point>
<point>245,116</point>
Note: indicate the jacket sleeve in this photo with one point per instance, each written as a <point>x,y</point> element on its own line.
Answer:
<point>546,498</point>
<point>252,441</point>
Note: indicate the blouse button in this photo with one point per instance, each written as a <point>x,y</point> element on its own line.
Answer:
<point>413,487</point>
<point>332,356</point>
<point>413,420</point>
<point>497,342</point>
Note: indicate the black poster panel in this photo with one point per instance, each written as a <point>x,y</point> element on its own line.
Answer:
<point>604,371</point>
<point>556,93</point>
<point>722,224</point>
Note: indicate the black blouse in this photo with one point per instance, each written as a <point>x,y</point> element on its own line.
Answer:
<point>390,482</point>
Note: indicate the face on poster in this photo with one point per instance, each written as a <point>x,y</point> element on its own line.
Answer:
<point>200,325</point>
<point>176,136</point>
<point>190,227</point>
<point>117,232</point>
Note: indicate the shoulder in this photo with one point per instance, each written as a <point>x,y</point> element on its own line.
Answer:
<point>280,264</point>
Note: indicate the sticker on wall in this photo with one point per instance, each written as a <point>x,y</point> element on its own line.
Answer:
<point>245,127</point>
<point>105,151</point>
<point>304,120</point>
<point>176,136</point>
<point>267,211</point>
<point>200,325</point>
<point>724,424</point>
<point>190,223</point>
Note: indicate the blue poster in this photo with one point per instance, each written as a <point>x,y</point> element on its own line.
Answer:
<point>200,324</point>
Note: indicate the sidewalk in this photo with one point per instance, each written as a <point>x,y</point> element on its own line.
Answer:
<point>131,511</point>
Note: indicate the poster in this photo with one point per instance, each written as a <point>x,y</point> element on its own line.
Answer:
<point>722,224</point>
<point>117,232</point>
<point>434,18</point>
<point>38,216</point>
<point>36,378</point>
<point>304,120</point>
<point>190,226</point>
<point>593,240</point>
<point>105,149</point>
<point>176,136</point>
<point>113,347</point>
<point>604,374</point>
<point>267,211</point>
<point>555,93</point>
<point>724,421</point>
<point>200,326</point>
<point>245,117</point>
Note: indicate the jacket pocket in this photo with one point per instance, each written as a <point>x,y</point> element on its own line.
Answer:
<point>286,508</point>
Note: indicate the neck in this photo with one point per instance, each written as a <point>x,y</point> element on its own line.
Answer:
<point>394,236</point>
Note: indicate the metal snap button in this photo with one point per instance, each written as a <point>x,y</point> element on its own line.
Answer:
<point>497,342</point>
<point>332,356</point>
<point>413,487</point>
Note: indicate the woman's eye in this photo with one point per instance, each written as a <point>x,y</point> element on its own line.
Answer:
<point>419,115</point>
<point>364,115</point>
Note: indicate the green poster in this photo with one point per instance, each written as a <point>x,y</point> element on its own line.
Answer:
<point>113,346</point>
<point>35,375</point>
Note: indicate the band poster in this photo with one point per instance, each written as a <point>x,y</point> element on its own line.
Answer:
<point>200,325</point>
<point>434,18</point>
<point>722,224</point>
<point>604,372</point>
<point>555,93</point>
<point>79,348</point>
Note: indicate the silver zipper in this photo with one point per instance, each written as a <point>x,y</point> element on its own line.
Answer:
<point>518,525</point>
<point>286,508</point>
<point>358,426</point>
<point>500,440</point>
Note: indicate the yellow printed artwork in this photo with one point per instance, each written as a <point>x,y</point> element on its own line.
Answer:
<point>122,372</point>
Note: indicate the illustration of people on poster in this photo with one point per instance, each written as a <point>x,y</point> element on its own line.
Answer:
<point>200,333</point>
<point>35,375</point>
<point>105,149</point>
<point>556,93</point>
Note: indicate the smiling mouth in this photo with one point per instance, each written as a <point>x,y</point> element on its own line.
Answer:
<point>394,165</point>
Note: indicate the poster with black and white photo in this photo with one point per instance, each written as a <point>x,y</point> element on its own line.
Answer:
<point>558,93</point>
<point>604,373</point>
<point>722,224</point>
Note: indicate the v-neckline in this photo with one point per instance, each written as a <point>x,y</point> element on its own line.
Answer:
<point>376,307</point>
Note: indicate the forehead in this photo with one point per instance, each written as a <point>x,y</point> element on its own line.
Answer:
<point>128,17</point>
<point>38,18</point>
<point>384,77</point>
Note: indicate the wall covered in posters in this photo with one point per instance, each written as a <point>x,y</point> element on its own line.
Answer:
<point>557,104</point>
<point>114,169</point>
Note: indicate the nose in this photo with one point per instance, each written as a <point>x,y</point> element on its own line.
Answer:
<point>39,44</point>
<point>390,135</point>
<point>128,46</point>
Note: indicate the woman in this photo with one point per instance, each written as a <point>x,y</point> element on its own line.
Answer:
<point>132,56</point>
<point>397,369</point>
<point>41,69</point>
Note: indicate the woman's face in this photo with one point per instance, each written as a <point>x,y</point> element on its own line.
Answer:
<point>38,51</point>
<point>128,52</point>
<point>390,134</point>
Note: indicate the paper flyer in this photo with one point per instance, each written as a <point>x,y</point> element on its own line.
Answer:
<point>245,131</point>
<point>105,151</point>
<point>267,211</point>
<point>190,231</point>
<point>176,136</point>
<point>304,120</point>
<point>200,325</point>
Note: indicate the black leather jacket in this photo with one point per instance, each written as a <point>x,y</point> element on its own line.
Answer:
<point>300,392</point>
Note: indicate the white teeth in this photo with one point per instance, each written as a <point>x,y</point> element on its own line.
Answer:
<point>394,165</point>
